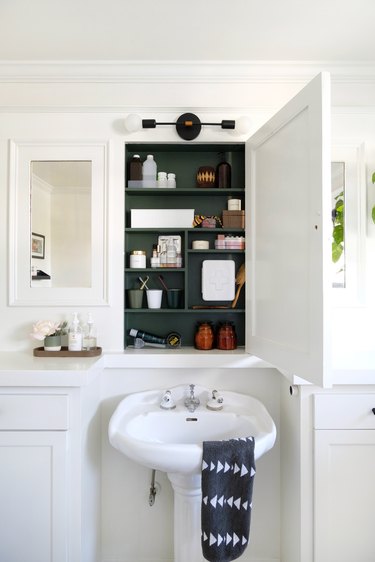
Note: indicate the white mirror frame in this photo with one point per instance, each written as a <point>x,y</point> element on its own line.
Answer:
<point>353,156</point>
<point>22,153</point>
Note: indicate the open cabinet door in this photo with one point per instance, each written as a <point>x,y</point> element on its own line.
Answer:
<point>289,236</point>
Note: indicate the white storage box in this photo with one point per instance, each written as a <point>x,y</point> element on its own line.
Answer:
<point>218,280</point>
<point>161,218</point>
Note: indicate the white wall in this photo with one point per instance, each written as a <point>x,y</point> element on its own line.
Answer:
<point>71,238</point>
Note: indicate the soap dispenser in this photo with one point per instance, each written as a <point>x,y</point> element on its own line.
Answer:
<point>89,334</point>
<point>75,335</point>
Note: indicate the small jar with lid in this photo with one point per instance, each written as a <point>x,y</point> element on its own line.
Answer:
<point>137,259</point>
<point>204,336</point>
<point>226,336</point>
<point>162,179</point>
<point>171,180</point>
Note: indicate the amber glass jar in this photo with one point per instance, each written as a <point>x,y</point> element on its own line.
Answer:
<point>226,336</point>
<point>204,336</point>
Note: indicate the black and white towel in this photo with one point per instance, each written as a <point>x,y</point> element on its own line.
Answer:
<point>228,470</point>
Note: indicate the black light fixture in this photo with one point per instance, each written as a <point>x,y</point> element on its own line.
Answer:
<point>188,125</point>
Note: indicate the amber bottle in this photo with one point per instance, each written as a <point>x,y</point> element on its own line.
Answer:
<point>226,336</point>
<point>204,336</point>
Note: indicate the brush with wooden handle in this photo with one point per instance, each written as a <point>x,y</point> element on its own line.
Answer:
<point>240,281</point>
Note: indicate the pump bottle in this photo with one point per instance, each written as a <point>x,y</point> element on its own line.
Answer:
<point>89,334</point>
<point>75,335</point>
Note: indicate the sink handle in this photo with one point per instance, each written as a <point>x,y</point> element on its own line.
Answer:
<point>215,402</point>
<point>167,402</point>
<point>216,396</point>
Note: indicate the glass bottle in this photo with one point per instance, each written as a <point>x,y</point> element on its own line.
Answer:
<point>89,334</point>
<point>135,168</point>
<point>223,174</point>
<point>226,336</point>
<point>204,336</point>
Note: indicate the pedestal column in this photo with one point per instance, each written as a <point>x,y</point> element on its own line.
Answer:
<point>187,517</point>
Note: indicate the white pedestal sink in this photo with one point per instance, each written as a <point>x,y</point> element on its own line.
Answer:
<point>171,441</point>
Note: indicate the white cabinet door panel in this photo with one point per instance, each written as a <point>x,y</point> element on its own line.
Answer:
<point>344,495</point>
<point>288,233</point>
<point>33,491</point>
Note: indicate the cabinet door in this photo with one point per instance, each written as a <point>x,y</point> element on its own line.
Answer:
<point>344,495</point>
<point>33,496</point>
<point>288,234</point>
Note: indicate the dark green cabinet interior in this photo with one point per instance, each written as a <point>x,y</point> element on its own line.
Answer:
<point>183,160</point>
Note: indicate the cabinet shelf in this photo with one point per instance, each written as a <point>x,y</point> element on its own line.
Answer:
<point>196,191</point>
<point>198,311</point>
<point>213,251</point>
<point>198,230</point>
<point>154,269</point>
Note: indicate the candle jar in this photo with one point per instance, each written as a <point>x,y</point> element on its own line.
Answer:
<point>204,336</point>
<point>226,336</point>
<point>137,259</point>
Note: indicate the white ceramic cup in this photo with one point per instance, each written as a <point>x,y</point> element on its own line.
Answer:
<point>154,297</point>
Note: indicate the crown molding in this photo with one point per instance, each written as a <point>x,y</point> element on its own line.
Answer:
<point>183,71</point>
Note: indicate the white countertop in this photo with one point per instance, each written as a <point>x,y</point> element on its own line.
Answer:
<point>23,369</point>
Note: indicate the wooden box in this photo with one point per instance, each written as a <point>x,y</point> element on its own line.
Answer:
<point>233,219</point>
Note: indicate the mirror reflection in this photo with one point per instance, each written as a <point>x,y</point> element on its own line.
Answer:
<point>61,200</point>
<point>338,223</point>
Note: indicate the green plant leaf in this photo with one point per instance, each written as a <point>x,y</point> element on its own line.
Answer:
<point>338,234</point>
<point>373,214</point>
<point>339,205</point>
<point>373,177</point>
<point>337,250</point>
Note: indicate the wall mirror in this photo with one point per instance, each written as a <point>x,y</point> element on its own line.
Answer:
<point>58,200</point>
<point>348,198</point>
<point>60,193</point>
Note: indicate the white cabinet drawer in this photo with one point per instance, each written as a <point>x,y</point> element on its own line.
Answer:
<point>33,412</point>
<point>344,411</point>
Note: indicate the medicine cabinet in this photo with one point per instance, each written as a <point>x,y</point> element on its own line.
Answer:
<point>184,160</point>
<point>288,238</point>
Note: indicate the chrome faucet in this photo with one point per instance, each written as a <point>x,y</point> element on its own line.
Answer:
<point>192,402</point>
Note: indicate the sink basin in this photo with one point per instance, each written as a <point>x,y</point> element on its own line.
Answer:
<point>171,440</point>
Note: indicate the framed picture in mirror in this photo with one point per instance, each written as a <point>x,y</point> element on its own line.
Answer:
<point>38,243</point>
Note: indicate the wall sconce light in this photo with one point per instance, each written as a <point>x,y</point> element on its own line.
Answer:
<point>188,125</point>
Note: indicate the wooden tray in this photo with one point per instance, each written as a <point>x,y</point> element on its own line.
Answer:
<point>41,352</point>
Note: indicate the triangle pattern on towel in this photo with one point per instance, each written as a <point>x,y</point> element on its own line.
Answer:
<point>227,483</point>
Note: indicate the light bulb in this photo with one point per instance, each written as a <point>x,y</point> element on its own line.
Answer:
<point>243,125</point>
<point>133,123</point>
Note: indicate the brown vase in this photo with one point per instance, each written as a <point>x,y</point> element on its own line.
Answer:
<point>206,176</point>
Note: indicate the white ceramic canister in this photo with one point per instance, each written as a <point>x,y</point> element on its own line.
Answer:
<point>138,259</point>
<point>234,204</point>
<point>200,245</point>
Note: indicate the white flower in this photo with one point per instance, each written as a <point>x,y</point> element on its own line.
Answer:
<point>44,328</point>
